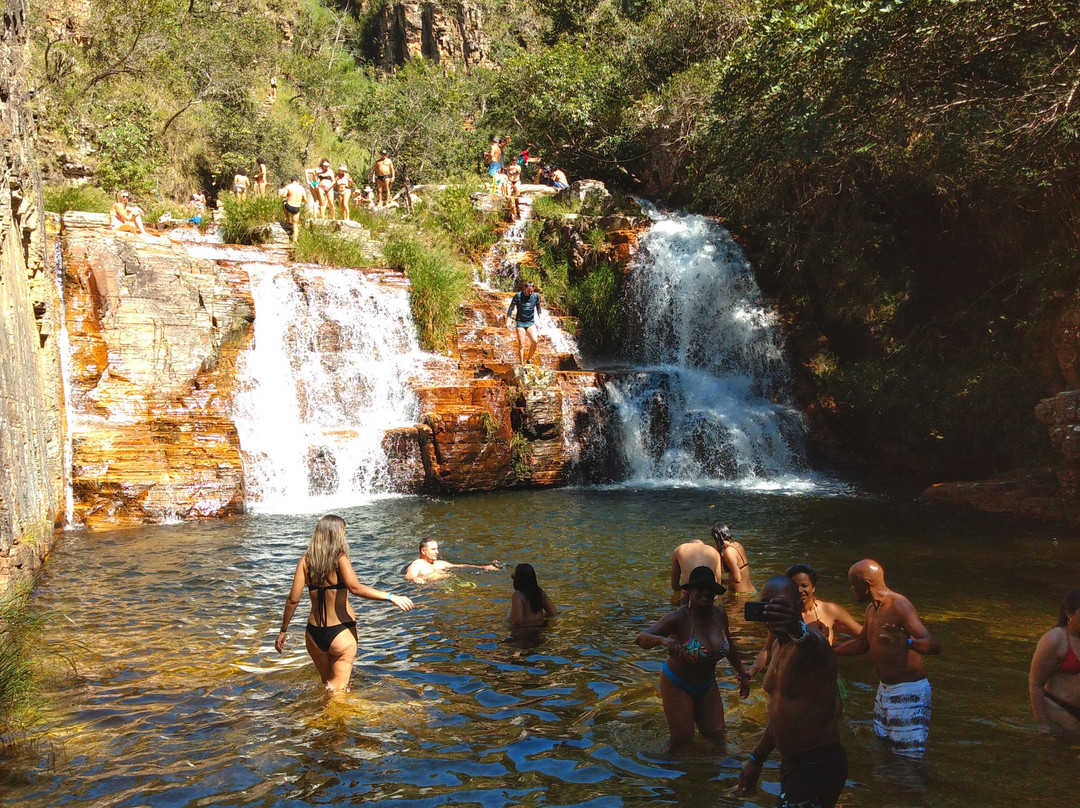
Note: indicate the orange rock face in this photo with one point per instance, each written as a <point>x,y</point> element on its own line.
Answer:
<point>154,338</point>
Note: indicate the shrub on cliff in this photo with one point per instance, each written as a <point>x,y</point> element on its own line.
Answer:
<point>242,221</point>
<point>88,198</point>
<point>440,284</point>
<point>319,247</point>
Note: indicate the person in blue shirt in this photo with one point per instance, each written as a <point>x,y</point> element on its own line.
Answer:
<point>527,303</point>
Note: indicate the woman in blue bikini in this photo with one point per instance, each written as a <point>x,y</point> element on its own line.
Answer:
<point>331,628</point>
<point>696,637</point>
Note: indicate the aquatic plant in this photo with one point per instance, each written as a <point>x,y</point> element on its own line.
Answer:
<point>20,682</point>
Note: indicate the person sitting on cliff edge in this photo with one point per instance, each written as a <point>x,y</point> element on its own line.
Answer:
<point>125,217</point>
<point>429,566</point>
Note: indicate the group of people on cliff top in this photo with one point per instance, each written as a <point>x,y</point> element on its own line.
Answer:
<point>799,657</point>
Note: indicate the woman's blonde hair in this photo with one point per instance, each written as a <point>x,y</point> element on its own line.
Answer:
<point>326,547</point>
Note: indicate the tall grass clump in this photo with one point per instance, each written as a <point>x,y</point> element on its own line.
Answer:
<point>547,207</point>
<point>20,628</point>
<point>597,303</point>
<point>320,247</point>
<point>440,283</point>
<point>243,222</point>
<point>88,198</point>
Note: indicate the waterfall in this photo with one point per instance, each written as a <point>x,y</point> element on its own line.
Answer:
<point>64,346</point>
<point>708,397</point>
<point>327,375</point>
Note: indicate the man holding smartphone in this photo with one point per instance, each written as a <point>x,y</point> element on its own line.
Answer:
<point>804,705</point>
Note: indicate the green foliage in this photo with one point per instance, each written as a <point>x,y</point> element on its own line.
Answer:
<point>471,233</point>
<point>520,455</point>
<point>597,302</point>
<point>243,222</point>
<point>62,198</point>
<point>419,115</point>
<point>439,285</point>
<point>129,154</point>
<point>317,246</point>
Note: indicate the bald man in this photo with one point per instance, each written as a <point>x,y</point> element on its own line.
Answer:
<point>804,707</point>
<point>897,641</point>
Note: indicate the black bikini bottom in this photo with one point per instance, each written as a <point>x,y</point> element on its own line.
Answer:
<point>1071,709</point>
<point>324,635</point>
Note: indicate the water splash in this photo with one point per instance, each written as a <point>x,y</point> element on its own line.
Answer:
<point>709,398</point>
<point>327,376</point>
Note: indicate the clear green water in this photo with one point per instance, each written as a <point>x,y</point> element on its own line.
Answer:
<point>178,698</point>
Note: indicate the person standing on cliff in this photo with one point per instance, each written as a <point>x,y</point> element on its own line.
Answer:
<point>384,178</point>
<point>527,303</point>
<point>897,641</point>
<point>240,184</point>
<point>292,199</point>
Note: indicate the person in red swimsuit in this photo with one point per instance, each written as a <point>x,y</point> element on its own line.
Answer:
<point>1053,680</point>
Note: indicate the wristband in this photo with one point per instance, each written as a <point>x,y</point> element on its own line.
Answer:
<point>909,642</point>
<point>756,759</point>
<point>804,636</point>
<point>388,596</point>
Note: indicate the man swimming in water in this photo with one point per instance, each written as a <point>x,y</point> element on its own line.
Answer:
<point>429,566</point>
<point>896,640</point>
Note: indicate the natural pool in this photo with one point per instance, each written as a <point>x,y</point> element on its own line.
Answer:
<point>178,698</point>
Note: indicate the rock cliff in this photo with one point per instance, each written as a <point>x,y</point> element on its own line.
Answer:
<point>155,334</point>
<point>449,34</point>
<point>31,414</point>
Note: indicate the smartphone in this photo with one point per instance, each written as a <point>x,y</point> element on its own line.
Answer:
<point>755,610</point>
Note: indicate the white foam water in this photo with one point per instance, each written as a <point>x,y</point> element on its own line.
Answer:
<point>327,375</point>
<point>708,398</point>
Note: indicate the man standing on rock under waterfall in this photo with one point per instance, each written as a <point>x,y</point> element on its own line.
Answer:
<point>527,302</point>
<point>896,640</point>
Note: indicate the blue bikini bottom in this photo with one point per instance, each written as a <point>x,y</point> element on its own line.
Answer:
<point>696,691</point>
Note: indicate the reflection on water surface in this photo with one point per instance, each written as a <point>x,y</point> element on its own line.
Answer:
<point>179,698</point>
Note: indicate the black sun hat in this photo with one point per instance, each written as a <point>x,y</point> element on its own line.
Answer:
<point>702,578</point>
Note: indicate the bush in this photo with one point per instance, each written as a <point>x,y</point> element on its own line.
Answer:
<point>471,233</point>
<point>440,283</point>
<point>320,247</point>
<point>243,221</point>
<point>88,198</point>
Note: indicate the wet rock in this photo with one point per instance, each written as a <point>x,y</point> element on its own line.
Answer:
<point>592,194</point>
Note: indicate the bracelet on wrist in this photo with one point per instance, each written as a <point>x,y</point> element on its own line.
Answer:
<point>802,637</point>
<point>389,596</point>
<point>758,760</point>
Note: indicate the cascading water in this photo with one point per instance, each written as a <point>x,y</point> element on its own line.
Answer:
<point>501,269</point>
<point>708,398</point>
<point>64,345</point>
<point>327,376</point>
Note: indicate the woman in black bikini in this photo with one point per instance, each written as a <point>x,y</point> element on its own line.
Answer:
<point>736,560</point>
<point>331,628</point>
<point>1054,678</point>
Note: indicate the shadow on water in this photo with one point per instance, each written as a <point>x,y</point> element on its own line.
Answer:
<point>180,699</point>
